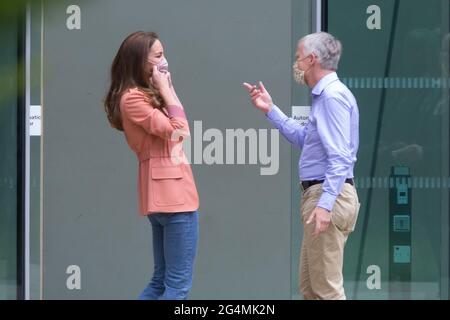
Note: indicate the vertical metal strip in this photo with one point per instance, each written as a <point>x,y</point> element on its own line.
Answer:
<point>318,22</point>
<point>41,188</point>
<point>27,149</point>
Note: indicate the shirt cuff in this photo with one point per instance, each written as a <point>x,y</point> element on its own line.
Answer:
<point>175,111</point>
<point>274,114</point>
<point>326,201</point>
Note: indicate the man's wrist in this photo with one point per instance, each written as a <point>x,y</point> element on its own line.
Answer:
<point>324,209</point>
<point>326,201</point>
<point>268,109</point>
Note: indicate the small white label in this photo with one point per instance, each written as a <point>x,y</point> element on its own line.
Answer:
<point>35,120</point>
<point>301,114</point>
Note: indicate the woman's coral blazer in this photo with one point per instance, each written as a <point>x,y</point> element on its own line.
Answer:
<point>165,179</point>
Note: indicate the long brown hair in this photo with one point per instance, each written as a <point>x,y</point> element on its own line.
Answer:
<point>128,70</point>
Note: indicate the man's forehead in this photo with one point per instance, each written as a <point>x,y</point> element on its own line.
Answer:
<point>299,50</point>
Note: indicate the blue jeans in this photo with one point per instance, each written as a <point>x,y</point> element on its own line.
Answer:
<point>175,237</point>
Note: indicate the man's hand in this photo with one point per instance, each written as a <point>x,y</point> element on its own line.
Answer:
<point>322,220</point>
<point>260,97</point>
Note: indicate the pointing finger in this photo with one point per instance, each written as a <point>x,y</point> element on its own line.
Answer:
<point>263,89</point>
<point>249,87</point>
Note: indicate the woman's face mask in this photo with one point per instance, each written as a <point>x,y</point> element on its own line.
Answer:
<point>163,65</point>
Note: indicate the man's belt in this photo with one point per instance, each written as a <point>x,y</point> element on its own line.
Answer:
<point>309,183</point>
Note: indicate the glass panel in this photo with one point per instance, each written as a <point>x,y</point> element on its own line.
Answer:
<point>9,140</point>
<point>395,61</point>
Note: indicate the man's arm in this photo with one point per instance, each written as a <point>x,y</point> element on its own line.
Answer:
<point>289,128</point>
<point>333,126</point>
<point>293,131</point>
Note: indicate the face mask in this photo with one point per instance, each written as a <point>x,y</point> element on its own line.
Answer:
<point>163,65</point>
<point>299,75</point>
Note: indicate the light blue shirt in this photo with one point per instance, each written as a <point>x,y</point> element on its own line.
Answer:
<point>330,140</point>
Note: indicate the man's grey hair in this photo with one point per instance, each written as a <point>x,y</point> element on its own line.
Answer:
<point>325,46</point>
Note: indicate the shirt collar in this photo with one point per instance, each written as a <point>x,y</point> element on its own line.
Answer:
<point>323,83</point>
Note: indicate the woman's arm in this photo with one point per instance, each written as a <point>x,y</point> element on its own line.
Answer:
<point>138,109</point>
<point>162,82</point>
<point>174,94</point>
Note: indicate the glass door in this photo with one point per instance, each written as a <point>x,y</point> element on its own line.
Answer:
<point>396,62</point>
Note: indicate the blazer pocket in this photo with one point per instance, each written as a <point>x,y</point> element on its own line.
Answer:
<point>167,185</point>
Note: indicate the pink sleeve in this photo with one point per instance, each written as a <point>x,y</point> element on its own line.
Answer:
<point>137,108</point>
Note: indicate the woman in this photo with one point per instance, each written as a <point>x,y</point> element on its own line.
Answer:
<point>142,102</point>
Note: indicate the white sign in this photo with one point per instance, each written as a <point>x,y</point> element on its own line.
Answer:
<point>35,120</point>
<point>301,114</point>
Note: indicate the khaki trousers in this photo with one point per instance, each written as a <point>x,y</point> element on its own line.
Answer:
<point>321,258</point>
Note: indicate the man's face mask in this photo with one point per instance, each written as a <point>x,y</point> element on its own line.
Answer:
<point>299,74</point>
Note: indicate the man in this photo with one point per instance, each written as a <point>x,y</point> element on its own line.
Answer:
<point>329,144</point>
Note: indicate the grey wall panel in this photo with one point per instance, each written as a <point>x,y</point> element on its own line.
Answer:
<point>90,208</point>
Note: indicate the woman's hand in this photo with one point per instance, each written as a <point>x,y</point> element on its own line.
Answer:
<point>162,82</point>
<point>169,78</point>
<point>173,91</point>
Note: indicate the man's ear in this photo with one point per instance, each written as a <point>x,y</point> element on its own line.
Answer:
<point>313,58</point>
